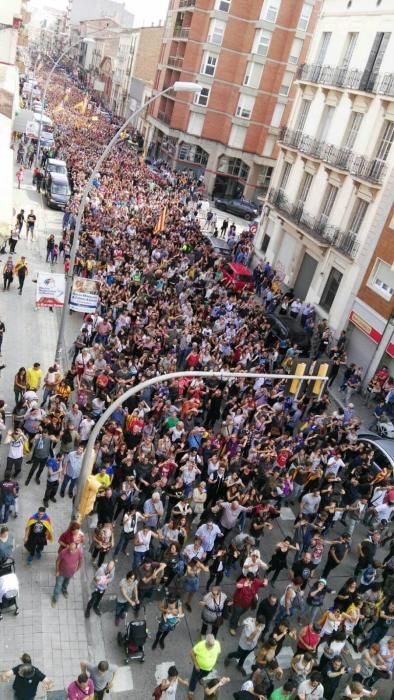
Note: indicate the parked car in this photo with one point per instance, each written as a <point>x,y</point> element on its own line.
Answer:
<point>240,207</point>
<point>57,190</point>
<point>53,165</point>
<point>220,246</point>
<point>285,327</point>
<point>383,450</point>
<point>238,276</point>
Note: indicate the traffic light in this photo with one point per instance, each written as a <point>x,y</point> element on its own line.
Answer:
<point>295,384</point>
<point>318,385</point>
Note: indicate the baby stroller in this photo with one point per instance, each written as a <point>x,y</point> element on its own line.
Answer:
<point>133,640</point>
<point>9,587</point>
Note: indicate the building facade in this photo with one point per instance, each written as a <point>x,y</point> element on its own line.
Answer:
<point>371,320</point>
<point>244,53</point>
<point>333,180</point>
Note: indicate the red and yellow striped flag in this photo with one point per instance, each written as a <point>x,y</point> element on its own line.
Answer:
<point>161,223</point>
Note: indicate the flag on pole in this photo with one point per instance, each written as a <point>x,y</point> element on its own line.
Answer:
<point>161,224</point>
<point>58,108</point>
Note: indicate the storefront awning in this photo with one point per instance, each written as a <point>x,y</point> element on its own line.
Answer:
<point>6,180</point>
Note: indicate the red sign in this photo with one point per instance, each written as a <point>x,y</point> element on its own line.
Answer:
<point>365,327</point>
<point>390,349</point>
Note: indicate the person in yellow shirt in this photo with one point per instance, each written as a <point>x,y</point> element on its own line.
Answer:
<point>204,656</point>
<point>34,377</point>
<point>103,478</point>
<point>22,271</point>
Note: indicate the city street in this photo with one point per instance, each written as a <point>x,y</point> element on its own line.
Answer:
<point>59,638</point>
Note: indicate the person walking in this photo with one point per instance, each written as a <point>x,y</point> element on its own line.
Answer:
<point>8,273</point>
<point>127,596</point>
<point>16,440</point>
<point>22,271</point>
<point>68,562</point>
<point>204,656</point>
<point>42,449</point>
<point>171,614</point>
<point>30,224</point>
<point>103,578</point>
<point>103,676</point>
<point>34,377</point>
<point>55,470</point>
<point>20,218</point>
<point>72,468</point>
<point>26,679</point>
<point>252,629</point>
<point>38,533</point>
<point>20,176</point>
<point>166,689</point>
<point>213,605</point>
<point>81,689</point>
<point>13,240</point>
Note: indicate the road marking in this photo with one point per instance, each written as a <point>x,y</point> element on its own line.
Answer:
<point>286,513</point>
<point>123,680</point>
<point>161,670</point>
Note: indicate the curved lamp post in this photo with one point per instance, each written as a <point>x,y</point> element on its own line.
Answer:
<point>86,466</point>
<point>178,86</point>
<point>83,40</point>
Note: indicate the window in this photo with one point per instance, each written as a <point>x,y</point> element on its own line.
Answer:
<point>304,188</point>
<point>374,61</point>
<point>237,167</point>
<point>194,154</point>
<point>331,288</point>
<point>305,16</point>
<point>216,32</point>
<point>201,98</point>
<point>223,5</point>
<point>382,279</point>
<point>286,83</point>
<point>357,217</point>
<point>328,203</point>
<point>262,42</point>
<point>209,64</point>
<point>237,136</point>
<point>385,142</point>
<point>325,122</point>
<point>277,115</point>
<point>196,123</point>
<point>270,10</point>
<point>245,106</point>
<point>265,243</point>
<point>285,177</point>
<point>352,129</point>
<point>322,48</point>
<point>264,178</point>
<point>349,48</point>
<point>302,115</point>
<point>253,74</point>
<point>295,50</point>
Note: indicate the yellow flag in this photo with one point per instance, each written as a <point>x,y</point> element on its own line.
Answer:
<point>58,108</point>
<point>81,106</point>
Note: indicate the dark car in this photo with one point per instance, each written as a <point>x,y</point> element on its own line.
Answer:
<point>57,190</point>
<point>284,327</point>
<point>383,449</point>
<point>240,207</point>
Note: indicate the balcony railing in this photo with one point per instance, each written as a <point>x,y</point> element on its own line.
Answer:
<point>187,3</point>
<point>342,158</point>
<point>181,32</point>
<point>379,84</point>
<point>316,227</point>
<point>175,61</point>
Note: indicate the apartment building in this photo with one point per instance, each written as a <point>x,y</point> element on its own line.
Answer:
<point>333,180</point>
<point>135,68</point>
<point>244,53</point>
<point>371,320</point>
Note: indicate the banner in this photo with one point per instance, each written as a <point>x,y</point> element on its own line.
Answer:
<point>50,290</point>
<point>84,295</point>
<point>161,224</point>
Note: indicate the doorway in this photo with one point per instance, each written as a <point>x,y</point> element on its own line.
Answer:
<point>305,276</point>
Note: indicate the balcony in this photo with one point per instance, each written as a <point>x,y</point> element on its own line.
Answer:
<point>373,171</point>
<point>175,61</point>
<point>164,117</point>
<point>181,32</point>
<point>377,84</point>
<point>186,3</point>
<point>345,242</point>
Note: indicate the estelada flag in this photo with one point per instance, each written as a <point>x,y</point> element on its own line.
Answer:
<point>45,520</point>
<point>161,224</point>
<point>81,106</point>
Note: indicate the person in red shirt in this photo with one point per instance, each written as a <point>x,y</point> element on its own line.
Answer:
<point>68,562</point>
<point>246,591</point>
<point>81,689</point>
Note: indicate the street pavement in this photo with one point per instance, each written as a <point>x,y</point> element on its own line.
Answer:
<point>59,638</point>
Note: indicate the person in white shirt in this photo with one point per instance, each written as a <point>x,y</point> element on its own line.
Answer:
<point>129,529</point>
<point>253,563</point>
<point>311,689</point>
<point>208,534</point>
<point>142,543</point>
<point>250,635</point>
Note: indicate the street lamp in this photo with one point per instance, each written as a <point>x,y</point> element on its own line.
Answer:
<point>86,465</point>
<point>178,86</point>
<point>84,40</point>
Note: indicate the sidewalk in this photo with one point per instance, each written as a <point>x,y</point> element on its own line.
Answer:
<point>57,639</point>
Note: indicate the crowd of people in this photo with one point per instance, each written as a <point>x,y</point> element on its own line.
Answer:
<point>191,474</point>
